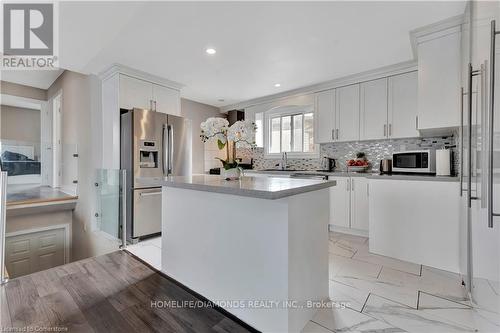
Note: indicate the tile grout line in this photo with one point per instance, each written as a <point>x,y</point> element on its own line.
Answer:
<point>322,326</point>
<point>418,299</point>
<point>366,301</point>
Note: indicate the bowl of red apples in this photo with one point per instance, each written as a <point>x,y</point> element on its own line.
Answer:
<point>359,164</point>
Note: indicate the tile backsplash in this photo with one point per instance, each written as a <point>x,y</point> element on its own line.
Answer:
<point>343,151</point>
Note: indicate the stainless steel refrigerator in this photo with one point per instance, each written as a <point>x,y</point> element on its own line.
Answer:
<point>153,145</point>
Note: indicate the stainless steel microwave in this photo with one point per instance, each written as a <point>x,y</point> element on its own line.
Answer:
<point>417,161</point>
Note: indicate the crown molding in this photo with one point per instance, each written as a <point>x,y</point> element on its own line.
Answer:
<point>399,68</point>
<point>138,74</point>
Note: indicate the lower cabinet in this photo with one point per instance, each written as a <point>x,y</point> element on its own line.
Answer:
<point>349,203</point>
<point>34,251</point>
<point>416,221</point>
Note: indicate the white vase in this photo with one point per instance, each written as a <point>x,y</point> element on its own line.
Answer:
<point>230,174</point>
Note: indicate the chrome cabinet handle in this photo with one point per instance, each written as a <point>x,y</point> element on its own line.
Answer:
<point>491,124</point>
<point>149,194</point>
<point>337,131</point>
<point>347,187</point>
<point>333,134</point>
<point>367,189</point>
<point>352,184</point>
<point>472,73</point>
<point>390,129</point>
<point>385,130</point>
<point>416,123</point>
<point>155,105</point>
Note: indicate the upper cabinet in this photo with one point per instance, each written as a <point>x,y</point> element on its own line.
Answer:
<point>402,105</point>
<point>347,113</point>
<point>138,93</point>
<point>325,116</point>
<point>439,77</point>
<point>373,103</point>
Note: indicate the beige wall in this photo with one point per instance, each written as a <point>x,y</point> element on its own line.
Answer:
<point>15,89</point>
<point>77,128</point>
<point>20,124</point>
<point>198,113</point>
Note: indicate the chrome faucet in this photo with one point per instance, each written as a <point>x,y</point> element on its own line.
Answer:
<point>284,161</point>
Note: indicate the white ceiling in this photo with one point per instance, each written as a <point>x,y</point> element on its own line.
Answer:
<point>33,78</point>
<point>258,44</point>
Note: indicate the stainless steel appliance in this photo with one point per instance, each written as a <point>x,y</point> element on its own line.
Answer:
<point>153,145</point>
<point>385,165</point>
<point>417,161</point>
<point>328,164</point>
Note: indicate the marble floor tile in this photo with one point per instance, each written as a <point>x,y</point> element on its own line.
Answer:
<point>485,296</point>
<point>477,319</point>
<point>363,254</point>
<point>495,285</point>
<point>312,327</point>
<point>408,319</point>
<point>382,288</point>
<point>335,264</point>
<point>352,298</point>
<point>358,269</point>
<point>341,248</point>
<point>435,282</point>
<point>149,253</point>
<point>348,320</point>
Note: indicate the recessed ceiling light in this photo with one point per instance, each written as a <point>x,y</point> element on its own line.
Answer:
<point>277,85</point>
<point>210,51</point>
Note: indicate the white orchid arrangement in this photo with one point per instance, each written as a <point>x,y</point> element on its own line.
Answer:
<point>240,135</point>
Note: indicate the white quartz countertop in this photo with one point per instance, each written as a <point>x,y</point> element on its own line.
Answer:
<point>248,186</point>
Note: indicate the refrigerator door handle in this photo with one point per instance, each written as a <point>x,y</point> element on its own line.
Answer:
<point>165,150</point>
<point>170,148</point>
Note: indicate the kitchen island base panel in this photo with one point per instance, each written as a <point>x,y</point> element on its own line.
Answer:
<point>234,248</point>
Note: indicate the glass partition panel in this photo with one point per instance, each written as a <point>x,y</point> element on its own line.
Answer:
<point>109,205</point>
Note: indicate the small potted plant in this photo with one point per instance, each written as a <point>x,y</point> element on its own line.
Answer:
<point>239,135</point>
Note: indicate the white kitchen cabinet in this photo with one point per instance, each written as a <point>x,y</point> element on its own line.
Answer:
<point>166,100</point>
<point>402,105</point>
<point>359,203</point>
<point>325,116</point>
<point>439,77</point>
<point>416,221</point>
<point>340,202</point>
<point>373,110</point>
<point>347,113</point>
<point>135,93</point>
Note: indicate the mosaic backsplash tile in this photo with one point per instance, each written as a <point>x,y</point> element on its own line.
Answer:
<point>343,151</point>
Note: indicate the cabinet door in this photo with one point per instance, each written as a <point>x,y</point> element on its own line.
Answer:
<point>166,100</point>
<point>135,93</point>
<point>325,115</point>
<point>439,79</point>
<point>347,113</point>
<point>403,91</point>
<point>373,108</point>
<point>339,202</point>
<point>359,203</point>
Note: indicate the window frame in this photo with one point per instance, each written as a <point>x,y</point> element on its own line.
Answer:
<point>285,111</point>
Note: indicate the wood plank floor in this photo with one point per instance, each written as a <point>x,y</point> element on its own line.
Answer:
<point>110,293</point>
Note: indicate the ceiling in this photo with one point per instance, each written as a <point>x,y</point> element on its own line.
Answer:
<point>34,78</point>
<point>258,44</point>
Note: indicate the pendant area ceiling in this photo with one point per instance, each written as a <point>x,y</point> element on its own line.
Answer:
<point>258,44</point>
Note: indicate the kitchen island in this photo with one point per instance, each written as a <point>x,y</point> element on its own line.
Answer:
<point>258,247</point>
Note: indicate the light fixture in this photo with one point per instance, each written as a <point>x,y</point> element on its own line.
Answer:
<point>210,51</point>
<point>277,85</point>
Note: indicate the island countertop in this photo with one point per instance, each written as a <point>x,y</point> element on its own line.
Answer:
<point>256,187</point>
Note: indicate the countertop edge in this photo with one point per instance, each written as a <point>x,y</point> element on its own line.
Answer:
<point>258,194</point>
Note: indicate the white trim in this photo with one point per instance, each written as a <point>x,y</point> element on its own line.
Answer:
<point>396,69</point>
<point>67,236</point>
<point>349,231</point>
<point>138,74</point>
<point>285,110</point>
<point>57,139</point>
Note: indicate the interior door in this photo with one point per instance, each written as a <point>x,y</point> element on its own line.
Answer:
<point>340,202</point>
<point>484,227</point>
<point>347,113</point>
<point>373,110</point>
